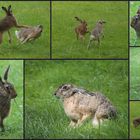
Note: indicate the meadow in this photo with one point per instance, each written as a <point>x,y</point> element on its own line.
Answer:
<point>14,122</point>
<point>134,73</point>
<point>133,10</point>
<point>134,113</point>
<point>64,41</point>
<point>44,114</point>
<point>31,14</point>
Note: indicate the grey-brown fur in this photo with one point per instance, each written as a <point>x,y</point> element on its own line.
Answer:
<point>96,33</point>
<point>27,34</point>
<point>7,92</point>
<point>136,122</point>
<point>8,22</point>
<point>79,104</point>
<point>135,24</point>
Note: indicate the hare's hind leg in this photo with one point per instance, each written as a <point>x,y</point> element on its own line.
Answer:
<point>97,121</point>
<point>83,118</point>
<point>10,39</point>
<point>26,39</point>
<point>73,123</point>
<point>88,46</point>
<point>1,125</point>
<point>0,37</point>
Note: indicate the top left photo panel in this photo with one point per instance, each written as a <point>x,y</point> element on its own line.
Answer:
<point>25,29</point>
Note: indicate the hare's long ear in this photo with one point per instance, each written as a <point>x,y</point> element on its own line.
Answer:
<point>9,7</point>
<point>4,8</point>
<point>6,73</point>
<point>1,82</point>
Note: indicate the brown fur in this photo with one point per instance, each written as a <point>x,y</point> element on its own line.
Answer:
<point>81,29</point>
<point>7,92</point>
<point>29,34</point>
<point>8,22</point>
<point>79,104</point>
<point>136,122</point>
<point>97,33</point>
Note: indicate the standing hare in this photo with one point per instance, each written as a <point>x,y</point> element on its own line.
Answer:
<point>79,104</point>
<point>8,22</point>
<point>27,34</point>
<point>97,33</point>
<point>7,92</point>
<point>81,29</point>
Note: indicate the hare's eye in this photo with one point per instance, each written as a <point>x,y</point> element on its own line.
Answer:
<point>65,87</point>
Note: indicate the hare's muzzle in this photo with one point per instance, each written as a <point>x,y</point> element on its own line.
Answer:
<point>13,96</point>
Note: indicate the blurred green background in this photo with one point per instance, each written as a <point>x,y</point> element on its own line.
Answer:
<point>135,73</point>
<point>134,113</point>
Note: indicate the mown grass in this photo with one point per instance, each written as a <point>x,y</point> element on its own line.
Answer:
<point>65,44</point>
<point>32,14</point>
<point>14,122</point>
<point>134,73</point>
<point>44,114</point>
<point>133,10</point>
<point>134,113</point>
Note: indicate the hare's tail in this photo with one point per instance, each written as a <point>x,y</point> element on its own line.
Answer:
<point>17,34</point>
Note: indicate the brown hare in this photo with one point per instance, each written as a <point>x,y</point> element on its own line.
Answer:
<point>8,22</point>
<point>27,34</point>
<point>136,122</point>
<point>7,92</point>
<point>81,29</point>
<point>135,24</point>
<point>79,104</point>
<point>96,33</point>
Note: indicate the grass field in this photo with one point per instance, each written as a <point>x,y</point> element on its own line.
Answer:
<point>134,113</point>
<point>14,122</point>
<point>135,73</point>
<point>44,114</point>
<point>115,42</point>
<point>133,10</point>
<point>32,14</point>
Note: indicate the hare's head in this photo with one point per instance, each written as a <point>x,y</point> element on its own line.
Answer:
<point>64,91</point>
<point>135,20</point>
<point>84,23</point>
<point>6,88</point>
<point>38,29</point>
<point>8,10</point>
<point>101,21</point>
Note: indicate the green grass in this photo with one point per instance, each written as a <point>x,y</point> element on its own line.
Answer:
<point>65,44</point>
<point>32,14</point>
<point>14,122</point>
<point>133,10</point>
<point>134,113</point>
<point>134,73</point>
<point>44,114</point>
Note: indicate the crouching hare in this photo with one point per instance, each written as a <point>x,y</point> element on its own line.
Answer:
<point>136,122</point>
<point>27,34</point>
<point>7,92</point>
<point>79,104</point>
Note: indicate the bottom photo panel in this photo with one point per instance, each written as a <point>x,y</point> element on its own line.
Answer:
<point>11,99</point>
<point>75,99</point>
<point>135,120</point>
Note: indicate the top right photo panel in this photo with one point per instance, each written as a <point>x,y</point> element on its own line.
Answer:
<point>96,29</point>
<point>134,23</point>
